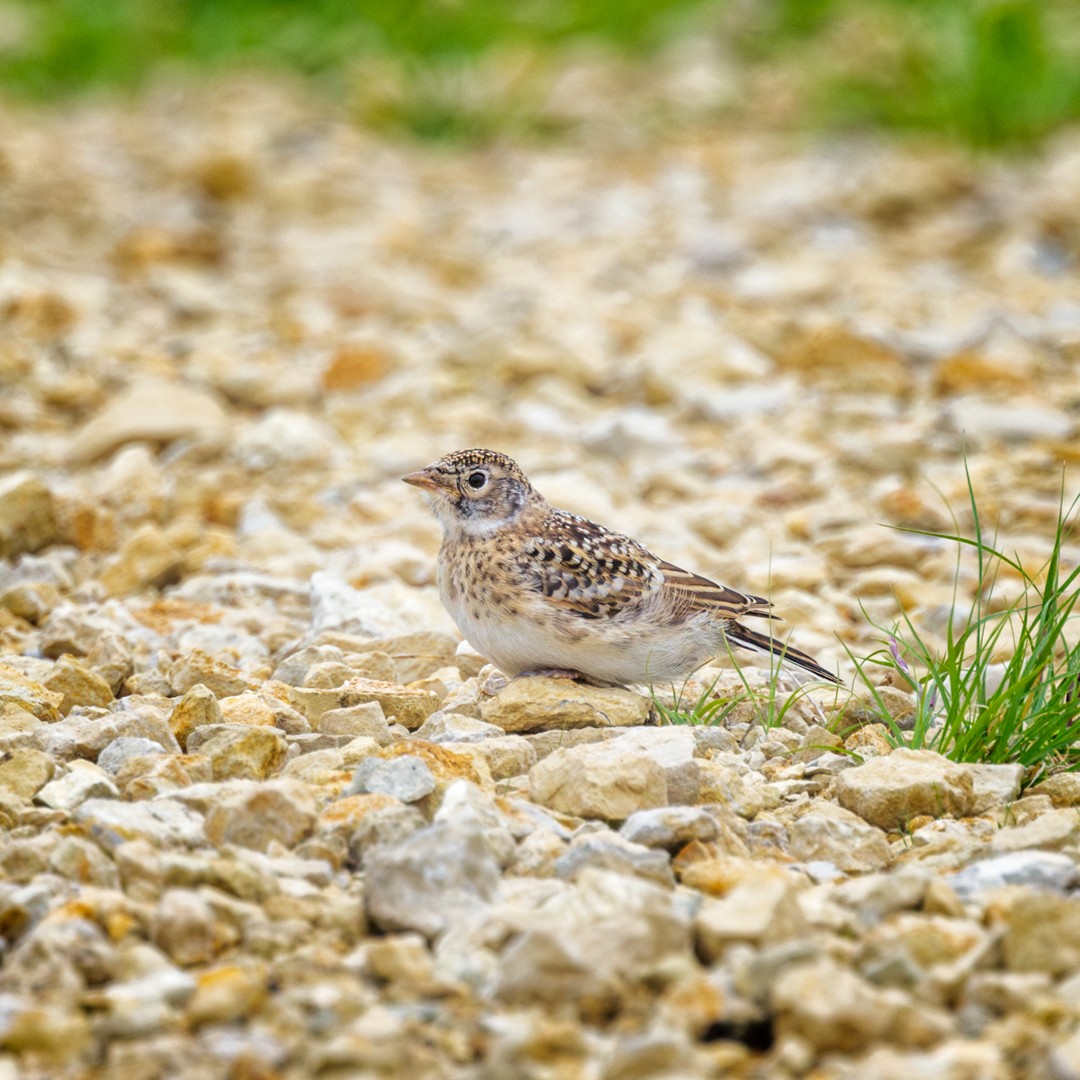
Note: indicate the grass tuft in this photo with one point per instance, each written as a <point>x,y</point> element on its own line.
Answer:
<point>769,704</point>
<point>972,706</point>
<point>989,73</point>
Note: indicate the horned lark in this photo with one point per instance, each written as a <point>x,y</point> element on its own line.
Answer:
<point>540,591</point>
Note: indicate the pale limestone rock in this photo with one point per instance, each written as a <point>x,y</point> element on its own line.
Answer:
<point>430,879</point>
<point>227,994</point>
<point>995,785</point>
<point>445,726</point>
<point>197,708</point>
<point>590,943</point>
<point>640,770</point>
<point>406,778</point>
<point>161,821</point>
<point>763,908</point>
<point>199,668</point>
<point>611,852</point>
<point>281,811</point>
<point>78,685</point>
<point>1012,421</point>
<point>78,859</point>
<point>16,689</point>
<point>328,674</point>
<point>86,736</point>
<point>240,751</point>
<point>536,703</point>
<point>186,927</point>
<point>875,896</point>
<point>418,654</point>
<point>889,791</point>
<point>506,755</point>
<point>81,780</point>
<point>149,557</point>
<point>265,709</point>
<point>24,772</point>
<point>28,519</point>
<point>832,1008</point>
<point>1042,933</point>
<point>840,837</point>
<point>356,721</point>
<point>1051,831</point>
<point>671,826</point>
<point>399,703</point>
<point>464,805</point>
<point>956,1059</point>
<point>400,958</point>
<point>1063,789</point>
<point>935,953</point>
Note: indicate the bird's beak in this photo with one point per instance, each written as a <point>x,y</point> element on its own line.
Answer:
<point>423,479</point>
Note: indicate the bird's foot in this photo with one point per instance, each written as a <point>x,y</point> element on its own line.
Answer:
<point>550,673</point>
<point>566,673</point>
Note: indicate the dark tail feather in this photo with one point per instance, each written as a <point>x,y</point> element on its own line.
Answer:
<point>739,635</point>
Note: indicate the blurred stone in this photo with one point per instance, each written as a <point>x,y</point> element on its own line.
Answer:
<point>996,785</point>
<point>1042,933</point>
<point>406,778</point>
<point>431,879</point>
<point>454,727</point>
<point>1015,421</point>
<point>353,367</point>
<point>27,514</point>
<point>81,780</point>
<point>285,437</point>
<point>227,994</point>
<point>593,941</point>
<point>1063,789</point>
<point>24,772</point>
<point>505,755</point>
<point>613,779</point>
<point>763,908</point>
<point>611,852</point>
<point>834,1009</point>
<point>839,837</point>
<point>165,823</point>
<point>1052,831</point>
<point>670,826</point>
<point>153,411</point>
<point>187,929</point>
<point>281,811</point>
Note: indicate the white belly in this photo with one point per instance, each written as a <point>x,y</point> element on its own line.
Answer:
<point>607,650</point>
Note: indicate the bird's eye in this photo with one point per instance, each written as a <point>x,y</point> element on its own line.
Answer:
<point>476,480</point>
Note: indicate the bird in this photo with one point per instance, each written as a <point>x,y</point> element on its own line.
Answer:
<point>540,591</point>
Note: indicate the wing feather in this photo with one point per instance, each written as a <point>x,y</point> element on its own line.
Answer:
<point>587,570</point>
<point>693,593</point>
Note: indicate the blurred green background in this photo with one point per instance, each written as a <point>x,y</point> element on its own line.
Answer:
<point>989,73</point>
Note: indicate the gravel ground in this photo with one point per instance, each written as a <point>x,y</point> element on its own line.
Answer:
<point>265,816</point>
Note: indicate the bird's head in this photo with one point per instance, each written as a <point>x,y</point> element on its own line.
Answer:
<point>474,491</point>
